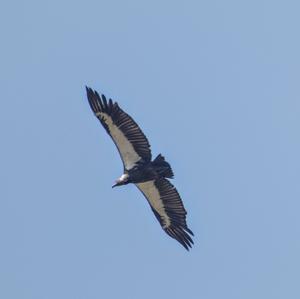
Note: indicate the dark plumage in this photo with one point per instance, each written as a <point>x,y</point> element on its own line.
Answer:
<point>151,177</point>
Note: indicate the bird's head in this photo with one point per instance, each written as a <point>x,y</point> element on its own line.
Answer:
<point>123,180</point>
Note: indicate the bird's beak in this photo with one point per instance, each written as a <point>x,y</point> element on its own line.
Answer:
<point>116,184</point>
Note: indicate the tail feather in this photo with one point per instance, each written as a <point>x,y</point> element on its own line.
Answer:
<point>163,167</point>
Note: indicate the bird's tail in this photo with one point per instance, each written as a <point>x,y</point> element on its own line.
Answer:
<point>163,167</point>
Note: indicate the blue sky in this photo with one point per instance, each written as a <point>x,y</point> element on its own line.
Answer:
<point>215,87</point>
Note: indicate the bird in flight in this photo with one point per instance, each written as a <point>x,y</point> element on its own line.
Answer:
<point>150,177</point>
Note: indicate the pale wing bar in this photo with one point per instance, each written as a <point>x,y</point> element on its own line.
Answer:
<point>131,142</point>
<point>168,208</point>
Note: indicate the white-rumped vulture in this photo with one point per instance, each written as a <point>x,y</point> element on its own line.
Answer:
<point>150,177</point>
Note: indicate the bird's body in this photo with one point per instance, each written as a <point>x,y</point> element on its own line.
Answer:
<point>140,173</point>
<point>148,171</point>
<point>150,177</point>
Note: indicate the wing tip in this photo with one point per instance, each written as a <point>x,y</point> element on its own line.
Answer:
<point>99,102</point>
<point>89,91</point>
<point>182,235</point>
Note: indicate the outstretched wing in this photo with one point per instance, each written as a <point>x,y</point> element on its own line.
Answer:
<point>131,142</point>
<point>168,208</point>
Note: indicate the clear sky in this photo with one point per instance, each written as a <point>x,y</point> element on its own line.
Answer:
<point>215,87</point>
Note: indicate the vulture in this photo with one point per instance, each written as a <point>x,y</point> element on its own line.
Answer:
<point>150,177</point>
